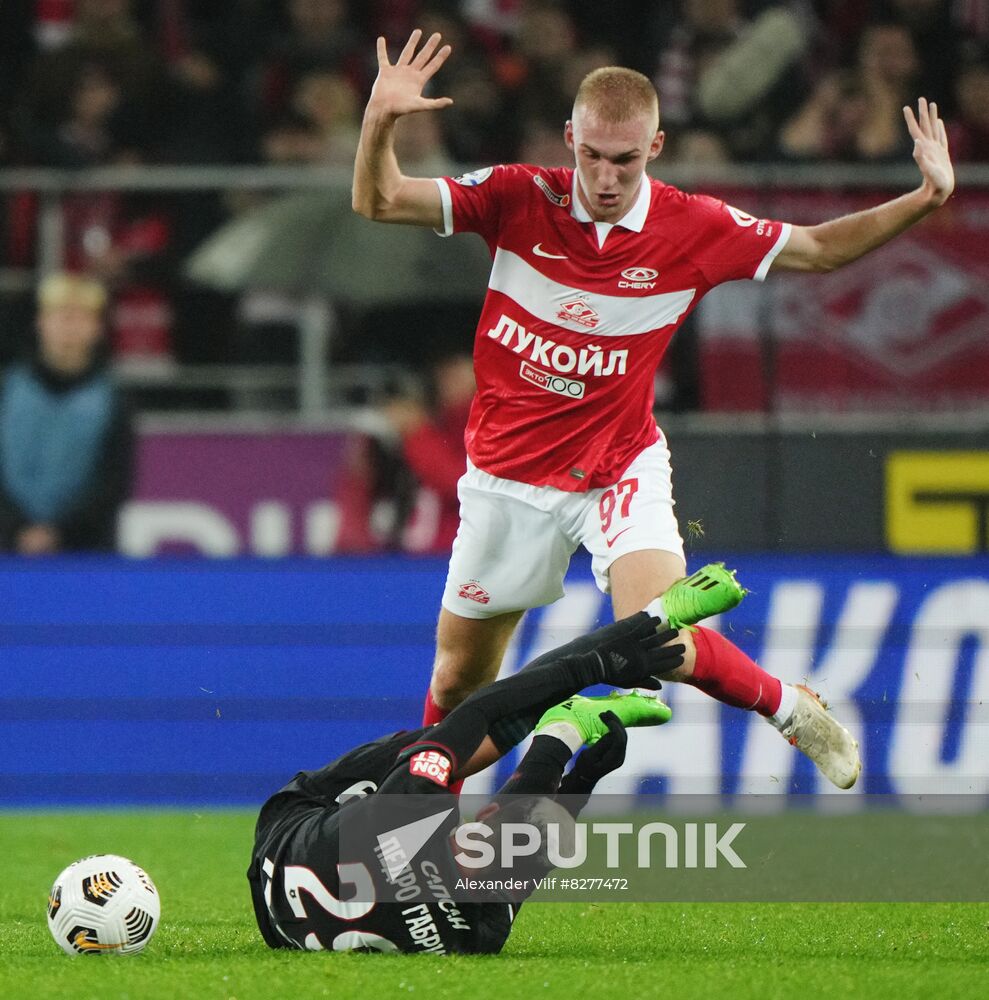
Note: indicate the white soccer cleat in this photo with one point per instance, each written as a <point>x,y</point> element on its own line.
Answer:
<point>820,736</point>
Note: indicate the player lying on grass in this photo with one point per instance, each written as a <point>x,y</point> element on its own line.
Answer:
<point>308,895</point>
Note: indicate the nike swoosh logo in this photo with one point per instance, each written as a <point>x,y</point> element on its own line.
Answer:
<point>611,541</point>
<point>539,252</point>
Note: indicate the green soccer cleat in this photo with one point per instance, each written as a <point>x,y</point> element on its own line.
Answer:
<point>710,591</point>
<point>584,714</point>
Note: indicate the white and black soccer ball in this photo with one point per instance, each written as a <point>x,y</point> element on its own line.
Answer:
<point>103,905</point>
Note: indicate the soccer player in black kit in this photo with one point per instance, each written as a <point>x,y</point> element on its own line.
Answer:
<point>307,895</point>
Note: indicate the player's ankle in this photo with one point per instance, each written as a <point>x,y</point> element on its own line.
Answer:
<point>657,609</point>
<point>565,732</point>
<point>788,702</point>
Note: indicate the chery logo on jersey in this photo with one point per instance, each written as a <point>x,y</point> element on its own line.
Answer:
<point>589,360</point>
<point>579,312</point>
<point>638,277</point>
<point>431,764</point>
<point>554,383</point>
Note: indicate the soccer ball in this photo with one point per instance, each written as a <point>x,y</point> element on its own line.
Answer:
<point>103,905</point>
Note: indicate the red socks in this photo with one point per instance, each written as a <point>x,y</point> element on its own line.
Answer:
<point>431,712</point>
<point>723,671</point>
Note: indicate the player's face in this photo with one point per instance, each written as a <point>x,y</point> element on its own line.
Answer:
<point>611,160</point>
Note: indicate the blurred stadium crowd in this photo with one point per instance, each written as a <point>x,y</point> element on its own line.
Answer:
<point>88,83</point>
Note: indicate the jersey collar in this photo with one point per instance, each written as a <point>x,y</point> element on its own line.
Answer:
<point>634,218</point>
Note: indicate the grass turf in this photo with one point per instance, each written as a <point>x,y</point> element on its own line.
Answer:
<point>207,945</point>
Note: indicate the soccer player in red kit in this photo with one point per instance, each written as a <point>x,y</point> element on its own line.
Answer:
<point>594,268</point>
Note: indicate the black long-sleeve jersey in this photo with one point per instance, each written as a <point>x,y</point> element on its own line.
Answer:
<point>300,883</point>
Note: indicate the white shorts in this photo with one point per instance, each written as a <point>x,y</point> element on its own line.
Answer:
<point>515,541</point>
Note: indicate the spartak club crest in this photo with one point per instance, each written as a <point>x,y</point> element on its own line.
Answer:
<point>473,591</point>
<point>579,312</point>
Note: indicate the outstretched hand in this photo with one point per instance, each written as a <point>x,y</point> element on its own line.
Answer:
<point>398,88</point>
<point>930,150</point>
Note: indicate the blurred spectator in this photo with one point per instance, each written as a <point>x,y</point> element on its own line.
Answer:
<point>971,19</point>
<point>494,17</point>
<point>830,122</point>
<point>968,131</point>
<point>888,68</point>
<point>419,144</point>
<point>123,239</point>
<point>106,39</point>
<point>544,146</point>
<point>65,440</point>
<point>203,118</point>
<point>697,147</point>
<point>104,22</point>
<point>234,35</point>
<point>857,114</point>
<point>320,37</point>
<point>432,446</point>
<point>478,127</point>
<point>366,498</point>
<point>89,127</point>
<point>535,70</point>
<point>730,73</point>
<point>624,27</point>
<point>935,39</point>
<point>840,23</point>
<point>323,124</point>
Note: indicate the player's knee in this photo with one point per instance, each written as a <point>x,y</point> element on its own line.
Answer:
<point>686,669</point>
<point>450,684</point>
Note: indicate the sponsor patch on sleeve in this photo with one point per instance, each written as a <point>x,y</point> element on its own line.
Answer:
<point>743,219</point>
<point>431,764</point>
<point>475,177</point>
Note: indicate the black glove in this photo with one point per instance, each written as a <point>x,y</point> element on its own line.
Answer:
<point>605,756</point>
<point>633,654</point>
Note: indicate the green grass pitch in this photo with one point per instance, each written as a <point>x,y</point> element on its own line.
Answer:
<point>207,945</point>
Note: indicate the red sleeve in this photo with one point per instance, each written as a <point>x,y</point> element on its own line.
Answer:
<point>472,203</point>
<point>727,244</point>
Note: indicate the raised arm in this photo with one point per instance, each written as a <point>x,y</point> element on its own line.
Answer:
<point>381,191</point>
<point>833,244</point>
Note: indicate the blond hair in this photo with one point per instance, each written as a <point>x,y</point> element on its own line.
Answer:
<point>62,289</point>
<point>614,93</point>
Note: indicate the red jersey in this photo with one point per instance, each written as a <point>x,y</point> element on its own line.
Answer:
<point>578,314</point>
